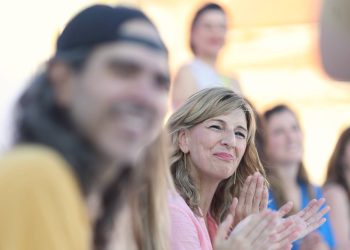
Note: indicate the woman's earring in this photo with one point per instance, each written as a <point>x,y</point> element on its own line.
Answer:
<point>234,177</point>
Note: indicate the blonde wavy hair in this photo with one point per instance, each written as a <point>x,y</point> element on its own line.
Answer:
<point>200,107</point>
<point>151,221</point>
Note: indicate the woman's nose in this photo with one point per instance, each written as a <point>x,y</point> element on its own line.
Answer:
<point>229,140</point>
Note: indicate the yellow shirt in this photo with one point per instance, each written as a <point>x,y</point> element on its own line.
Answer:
<point>41,207</point>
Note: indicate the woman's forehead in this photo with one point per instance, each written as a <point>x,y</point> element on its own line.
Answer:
<point>236,115</point>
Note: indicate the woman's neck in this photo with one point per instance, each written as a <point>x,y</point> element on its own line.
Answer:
<point>206,188</point>
<point>210,60</point>
<point>287,174</point>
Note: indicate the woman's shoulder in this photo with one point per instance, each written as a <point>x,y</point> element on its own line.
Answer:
<point>184,85</point>
<point>185,71</point>
<point>188,231</point>
<point>193,68</point>
<point>179,208</point>
<point>175,200</point>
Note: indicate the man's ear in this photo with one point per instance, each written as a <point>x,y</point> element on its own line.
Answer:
<point>61,76</point>
<point>184,140</point>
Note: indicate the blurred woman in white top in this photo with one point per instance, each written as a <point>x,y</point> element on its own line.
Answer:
<point>207,38</point>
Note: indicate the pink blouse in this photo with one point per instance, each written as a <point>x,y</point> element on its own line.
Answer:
<point>188,231</point>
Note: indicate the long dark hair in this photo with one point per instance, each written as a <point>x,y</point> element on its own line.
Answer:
<point>336,172</point>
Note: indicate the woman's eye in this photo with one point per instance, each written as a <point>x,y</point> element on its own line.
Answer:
<point>241,135</point>
<point>216,127</point>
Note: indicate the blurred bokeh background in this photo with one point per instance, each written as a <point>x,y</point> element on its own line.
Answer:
<point>272,48</point>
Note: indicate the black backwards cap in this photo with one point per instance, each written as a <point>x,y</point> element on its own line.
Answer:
<point>100,24</point>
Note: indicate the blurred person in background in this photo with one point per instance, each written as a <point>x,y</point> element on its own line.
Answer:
<point>335,57</point>
<point>337,190</point>
<point>283,150</point>
<point>88,168</point>
<point>335,38</point>
<point>220,181</point>
<point>207,38</point>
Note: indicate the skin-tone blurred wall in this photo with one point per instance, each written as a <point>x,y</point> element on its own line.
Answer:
<point>271,48</point>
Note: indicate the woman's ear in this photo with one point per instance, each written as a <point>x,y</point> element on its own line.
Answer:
<point>183,141</point>
<point>60,76</point>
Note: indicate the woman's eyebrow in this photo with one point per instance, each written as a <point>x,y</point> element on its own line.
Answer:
<point>222,122</point>
<point>243,128</point>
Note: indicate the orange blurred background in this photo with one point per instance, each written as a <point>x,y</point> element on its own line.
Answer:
<point>271,48</point>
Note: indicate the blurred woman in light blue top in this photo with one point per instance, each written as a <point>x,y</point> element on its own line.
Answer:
<point>283,153</point>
